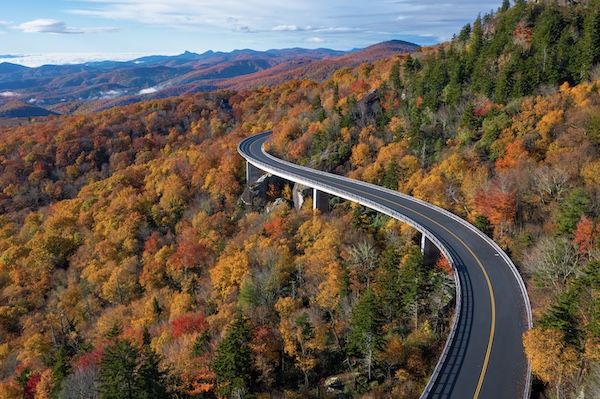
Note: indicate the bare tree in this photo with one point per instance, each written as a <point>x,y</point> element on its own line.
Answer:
<point>364,257</point>
<point>593,386</point>
<point>550,183</point>
<point>82,384</point>
<point>552,262</point>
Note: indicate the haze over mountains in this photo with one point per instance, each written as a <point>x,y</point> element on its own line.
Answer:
<point>94,86</point>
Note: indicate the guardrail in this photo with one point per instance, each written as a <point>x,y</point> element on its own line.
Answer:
<point>390,212</point>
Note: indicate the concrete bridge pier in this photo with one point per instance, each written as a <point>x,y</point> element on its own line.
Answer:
<point>252,173</point>
<point>430,252</point>
<point>320,201</point>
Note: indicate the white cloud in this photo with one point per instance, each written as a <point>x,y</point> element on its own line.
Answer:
<point>54,26</point>
<point>9,94</point>
<point>149,90</point>
<point>106,95</point>
<point>35,60</point>
<point>282,28</point>
<point>314,40</point>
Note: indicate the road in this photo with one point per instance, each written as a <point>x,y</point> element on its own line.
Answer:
<point>484,358</point>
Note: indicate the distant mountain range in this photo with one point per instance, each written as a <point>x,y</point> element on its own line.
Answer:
<point>100,85</point>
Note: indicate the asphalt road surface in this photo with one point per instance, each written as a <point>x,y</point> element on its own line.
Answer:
<point>485,359</point>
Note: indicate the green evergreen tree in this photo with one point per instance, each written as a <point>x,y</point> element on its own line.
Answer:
<point>409,66</point>
<point>589,45</point>
<point>413,284</point>
<point>366,337</point>
<point>128,373</point>
<point>468,119</point>
<point>316,102</point>
<point>465,33</point>
<point>388,285</point>
<point>118,371</point>
<point>475,44</point>
<point>562,316</point>
<point>589,286</point>
<point>395,80</point>
<point>233,359</point>
<point>391,176</point>
<point>151,380</point>
<point>546,34</point>
<point>573,207</point>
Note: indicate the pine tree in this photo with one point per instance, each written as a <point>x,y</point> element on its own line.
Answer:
<point>388,287</point>
<point>118,371</point>
<point>128,373</point>
<point>413,283</point>
<point>546,35</point>
<point>366,338</point>
<point>409,66</point>
<point>233,358</point>
<point>475,44</point>
<point>574,206</point>
<point>392,175</point>
<point>151,381</point>
<point>395,80</point>
<point>589,45</point>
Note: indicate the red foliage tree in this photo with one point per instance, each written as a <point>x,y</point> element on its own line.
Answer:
<point>585,235</point>
<point>88,360</point>
<point>188,324</point>
<point>497,203</point>
<point>31,385</point>
<point>188,256</point>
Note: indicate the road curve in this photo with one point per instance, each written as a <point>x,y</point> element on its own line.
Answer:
<point>484,356</point>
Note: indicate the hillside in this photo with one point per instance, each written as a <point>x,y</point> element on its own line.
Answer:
<point>18,109</point>
<point>125,246</point>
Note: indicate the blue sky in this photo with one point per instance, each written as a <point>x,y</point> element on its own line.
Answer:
<point>124,28</point>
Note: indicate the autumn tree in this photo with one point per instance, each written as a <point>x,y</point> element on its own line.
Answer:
<point>299,335</point>
<point>550,358</point>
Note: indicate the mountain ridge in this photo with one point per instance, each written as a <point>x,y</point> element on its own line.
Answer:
<point>103,84</point>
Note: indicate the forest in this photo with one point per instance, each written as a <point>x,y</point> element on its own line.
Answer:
<point>130,267</point>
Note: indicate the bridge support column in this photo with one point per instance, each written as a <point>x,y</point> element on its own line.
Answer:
<point>252,173</point>
<point>430,252</point>
<point>320,201</point>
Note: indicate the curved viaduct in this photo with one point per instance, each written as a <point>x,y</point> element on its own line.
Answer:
<point>483,357</point>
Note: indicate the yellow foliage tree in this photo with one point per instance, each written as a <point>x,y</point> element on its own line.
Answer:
<point>11,389</point>
<point>361,155</point>
<point>34,348</point>
<point>231,269</point>
<point>432,189</point>
<point>181,302</point>
<point>550,359</point>
<point>591,174</point>
<point>45,387</point>
<point>301,339</point>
